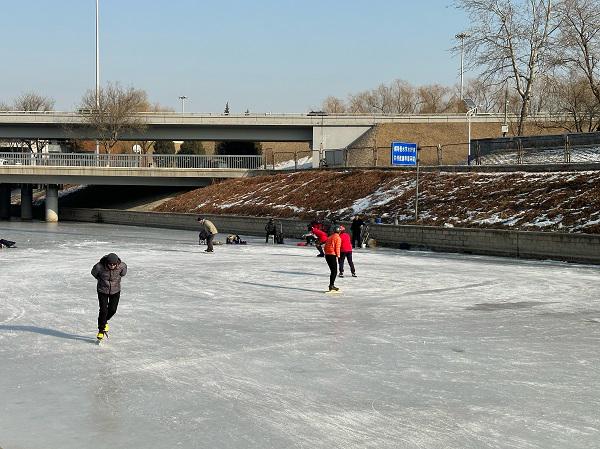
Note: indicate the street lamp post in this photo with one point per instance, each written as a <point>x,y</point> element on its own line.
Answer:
<point>183,98</point>
<point>462,37</point>
<point>471,110</point>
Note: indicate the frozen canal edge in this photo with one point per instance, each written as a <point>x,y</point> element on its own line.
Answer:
<point>241,348</point>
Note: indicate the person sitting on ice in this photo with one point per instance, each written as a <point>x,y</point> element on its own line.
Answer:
<point>7,244</point>
<point>234,239</point>
<point>270,229</point>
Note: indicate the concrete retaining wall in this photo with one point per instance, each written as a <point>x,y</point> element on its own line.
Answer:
<point>583,248</point>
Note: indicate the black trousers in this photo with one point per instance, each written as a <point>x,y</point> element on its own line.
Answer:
<point>274,234</point>
<point>319,246</point>
<point>356,243</point>
<point>108,307</point>
<point>332,262</point>
<point>348,256</point>
<point>209,242</point>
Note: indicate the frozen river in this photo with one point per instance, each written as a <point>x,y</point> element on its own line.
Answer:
<point>242,349</point>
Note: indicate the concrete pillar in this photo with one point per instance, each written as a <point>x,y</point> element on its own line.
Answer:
<point>52,203</point>
<point>26,201</point>
<point>317,146</point>
<point>4,201</point>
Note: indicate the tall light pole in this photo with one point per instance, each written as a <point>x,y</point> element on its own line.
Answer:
<point>462,37</point>
<point>97,68</point>
<point>182,98</point>
<point>471,110</point>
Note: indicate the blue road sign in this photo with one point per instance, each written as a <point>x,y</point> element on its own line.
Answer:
<point>404,153</point>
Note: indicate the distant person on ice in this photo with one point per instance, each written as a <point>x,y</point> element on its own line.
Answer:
<point>270,229</point>
<point>7,244</point>
<point>108,272</point>
<point>346,252</point>
<point>320,238</point>
<point>210,230</point>
<point>332,254</point>
<point>356,229</point>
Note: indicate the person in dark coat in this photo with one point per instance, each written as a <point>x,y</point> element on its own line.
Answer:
<point>356,229</point>
<point>270,229</point>
<point>7,243</point>
<point>108,272</point>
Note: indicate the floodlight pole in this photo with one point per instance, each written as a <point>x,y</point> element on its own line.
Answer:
<point>97,68</point>
<point>183,98</point>
<point>462,37</point>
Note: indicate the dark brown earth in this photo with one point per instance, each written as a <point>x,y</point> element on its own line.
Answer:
<point>566,201</point>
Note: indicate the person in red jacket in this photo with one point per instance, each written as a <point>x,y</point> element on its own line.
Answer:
<point>346,252</point>
<point>321,237</point>
<point>332,254</point>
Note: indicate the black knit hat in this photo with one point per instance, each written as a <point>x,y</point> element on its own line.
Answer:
<point>112,258</point>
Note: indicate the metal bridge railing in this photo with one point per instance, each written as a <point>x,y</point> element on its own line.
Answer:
<point>133,160</point>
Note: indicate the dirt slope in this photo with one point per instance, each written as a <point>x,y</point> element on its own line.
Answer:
<point>569,202</point>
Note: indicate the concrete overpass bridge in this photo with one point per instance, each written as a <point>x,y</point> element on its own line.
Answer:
<point>27,169</point>
<point>322,131</point>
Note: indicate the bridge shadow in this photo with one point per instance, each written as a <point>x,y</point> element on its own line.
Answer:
<point>46,331</point>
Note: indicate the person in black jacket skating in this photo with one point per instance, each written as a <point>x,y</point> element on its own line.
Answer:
<point>108,272</point>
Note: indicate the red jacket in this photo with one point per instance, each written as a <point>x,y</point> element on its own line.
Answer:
<point>346,243</point>
<point>320,235</point>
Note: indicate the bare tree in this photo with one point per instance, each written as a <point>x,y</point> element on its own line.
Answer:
<point>334,105</point>
<point>434,99</point>
<point>359,103</point>
<point>117,113</point>
<point>33,102</point>
<point>4,106</point>
<point>397,98</point>
<point>572,100</point>
<point>488,98</point>
<point>404,97</point>
<point>578,47</point>
<point>509,40</point>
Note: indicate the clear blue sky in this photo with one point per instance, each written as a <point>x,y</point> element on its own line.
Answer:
<point>264,55</point>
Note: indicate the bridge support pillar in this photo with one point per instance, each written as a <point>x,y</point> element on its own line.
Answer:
<point>4,201</point>
<point>316,158</point>
<point>26,201</point>
<point>52,203</point>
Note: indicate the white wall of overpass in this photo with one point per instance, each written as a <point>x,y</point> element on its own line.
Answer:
<point>333,138</point>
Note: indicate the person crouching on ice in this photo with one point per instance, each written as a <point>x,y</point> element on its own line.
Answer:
<point>108,271</point>
<point>210,230</point>
<point>332,254</point>
<point>321,238</point>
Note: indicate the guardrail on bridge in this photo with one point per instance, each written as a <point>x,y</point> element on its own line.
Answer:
<point>133,160</point>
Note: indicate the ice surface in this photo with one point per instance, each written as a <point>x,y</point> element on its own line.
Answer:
<point>241,348</point>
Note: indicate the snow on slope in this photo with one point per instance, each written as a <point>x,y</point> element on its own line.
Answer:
<point>566,201</point>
